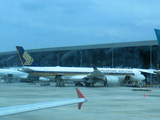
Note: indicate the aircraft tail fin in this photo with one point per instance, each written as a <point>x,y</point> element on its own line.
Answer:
<point>80,95</point>
<point>158,35</point>
<point>25,58</point>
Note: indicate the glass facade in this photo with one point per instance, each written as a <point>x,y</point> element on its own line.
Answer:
<point>133,57</point>
<point>125,57</point>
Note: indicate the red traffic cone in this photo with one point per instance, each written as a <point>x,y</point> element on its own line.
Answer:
<point>144,95</point>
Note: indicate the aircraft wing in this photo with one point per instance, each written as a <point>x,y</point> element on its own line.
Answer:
<point>27,70</point>
<point>150,71</point>
<point>38,106</point>
<point>96,74</point>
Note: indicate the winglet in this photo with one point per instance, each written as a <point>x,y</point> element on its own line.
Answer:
<point>157,35</point>
<point>94,67</point>
<point>80,95</point>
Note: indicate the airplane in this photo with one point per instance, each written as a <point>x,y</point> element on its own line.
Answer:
<point>5,72</point>
<point>17,74</point>
<point>81,75</point>
<point>38,106</point>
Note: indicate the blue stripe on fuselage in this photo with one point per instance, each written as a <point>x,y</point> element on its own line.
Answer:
<point>58,72</point>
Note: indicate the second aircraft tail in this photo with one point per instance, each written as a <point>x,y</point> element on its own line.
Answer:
<point>158,35</point>
<point>25,58</point>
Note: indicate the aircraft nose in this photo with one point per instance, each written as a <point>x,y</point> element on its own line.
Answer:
<point>140,78</point>
<point>143,77</point>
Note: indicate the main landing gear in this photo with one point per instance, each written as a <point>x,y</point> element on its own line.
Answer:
<point>60,81</point>
<point>89,84</point>
<point>105,82</point>
<point>78,84</point>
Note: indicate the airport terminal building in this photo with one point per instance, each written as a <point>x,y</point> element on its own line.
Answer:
<point>139,54</point>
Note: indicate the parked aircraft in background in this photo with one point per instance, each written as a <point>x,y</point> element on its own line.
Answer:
<point>81,75</point>
<point>38,106</point>
<point>6,73</point>
<point>12,73</point>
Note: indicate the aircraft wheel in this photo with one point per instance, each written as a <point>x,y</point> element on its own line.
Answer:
<point>78,84</point>
<point>105,83</point>
<point>87,84</point>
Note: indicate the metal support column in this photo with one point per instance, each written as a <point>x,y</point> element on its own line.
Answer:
<point>81,59</point>
<point>150,63</point>
<point>58,59</point>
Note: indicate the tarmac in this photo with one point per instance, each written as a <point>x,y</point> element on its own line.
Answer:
<point>104,103</point>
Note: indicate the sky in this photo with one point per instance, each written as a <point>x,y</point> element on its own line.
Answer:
<point>57,23</point>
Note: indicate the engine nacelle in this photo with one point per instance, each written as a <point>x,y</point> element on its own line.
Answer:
<point>43,79</point>
<point>62,78</point>
<point>112,80</point>
<point>77,78</point>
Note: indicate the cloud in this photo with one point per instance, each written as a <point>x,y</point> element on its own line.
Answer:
<point>76,22</point>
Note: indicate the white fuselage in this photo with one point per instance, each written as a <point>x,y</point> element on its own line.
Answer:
<point>77,73</point>
<point>15,73</point>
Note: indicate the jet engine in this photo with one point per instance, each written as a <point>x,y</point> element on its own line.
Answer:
<point>43,79</point>
<point>77,78</point>
<point>112,80</point>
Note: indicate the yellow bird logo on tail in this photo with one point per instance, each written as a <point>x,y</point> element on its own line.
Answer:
<point>28,59</point>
